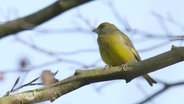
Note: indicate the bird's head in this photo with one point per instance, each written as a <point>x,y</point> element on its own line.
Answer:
<point>105,28</point>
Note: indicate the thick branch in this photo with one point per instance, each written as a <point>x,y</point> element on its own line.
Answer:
<point>84,77</point>
<point>39,17</point>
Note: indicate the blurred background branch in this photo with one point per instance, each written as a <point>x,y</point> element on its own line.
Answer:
<point>33,20</point>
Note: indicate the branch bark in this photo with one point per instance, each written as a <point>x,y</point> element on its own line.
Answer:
<point>85,77</point>
<point>39,17</point>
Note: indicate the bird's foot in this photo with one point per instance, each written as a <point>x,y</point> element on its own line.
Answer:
<point>107,67</point>
<point>123,66</point>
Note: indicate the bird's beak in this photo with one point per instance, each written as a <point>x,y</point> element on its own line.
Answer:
<point>96,30</point>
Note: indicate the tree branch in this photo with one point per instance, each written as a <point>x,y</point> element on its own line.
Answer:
<point>85,77</point>
<point>39,17</point>
<point>166,87</point>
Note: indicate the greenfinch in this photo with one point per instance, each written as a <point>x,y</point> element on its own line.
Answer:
<point>116,48</point>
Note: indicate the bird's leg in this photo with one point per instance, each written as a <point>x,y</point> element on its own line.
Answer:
<point>123,66</point>
<point>107,67</point>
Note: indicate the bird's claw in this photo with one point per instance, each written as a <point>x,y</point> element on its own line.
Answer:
<point>107,67</point>
<point>123,66</point>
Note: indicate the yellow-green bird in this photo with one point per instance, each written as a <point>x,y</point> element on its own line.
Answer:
<point>116,48</point>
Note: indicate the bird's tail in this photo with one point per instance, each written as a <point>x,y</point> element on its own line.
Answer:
<point>150,80</point>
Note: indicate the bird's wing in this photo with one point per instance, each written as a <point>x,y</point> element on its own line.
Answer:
<point>129,44</point>
<point>135,54</point>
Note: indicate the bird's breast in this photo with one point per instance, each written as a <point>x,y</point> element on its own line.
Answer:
<point>114,51</point>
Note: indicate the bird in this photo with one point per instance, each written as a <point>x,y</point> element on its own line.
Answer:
<point>116,48</point>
